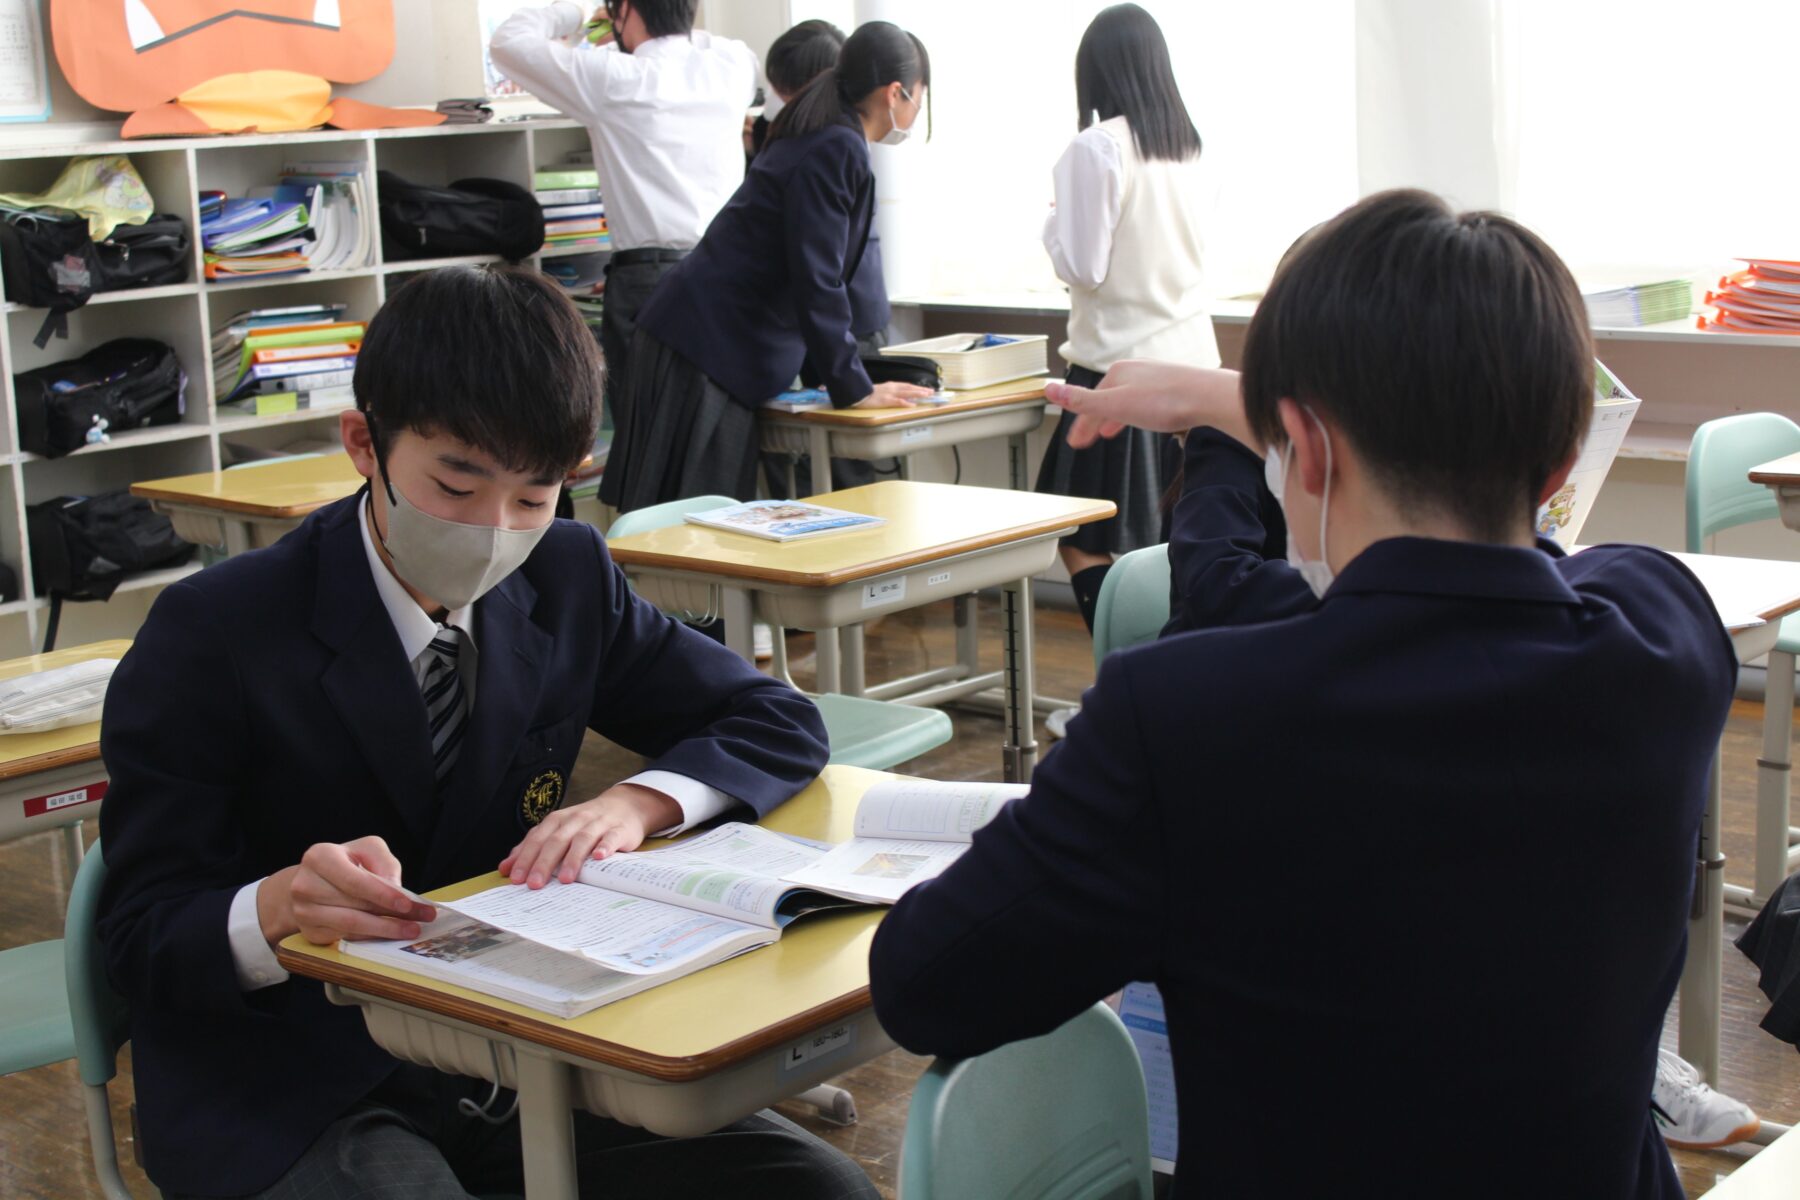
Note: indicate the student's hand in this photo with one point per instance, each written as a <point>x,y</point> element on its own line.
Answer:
<point>340,891</point>
<point>1159,396</point>
<point>893,395</point>
<point>618,819</point>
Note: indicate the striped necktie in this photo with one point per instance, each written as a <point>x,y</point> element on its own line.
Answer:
<point>446,703</point>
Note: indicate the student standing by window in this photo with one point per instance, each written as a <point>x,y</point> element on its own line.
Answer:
<point>664,106</point>
<point>1125,236</point>
<point>765,289</point>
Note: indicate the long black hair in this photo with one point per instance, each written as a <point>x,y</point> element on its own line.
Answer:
<point>877,54</point>
<point>801,53</point>
<point>1122,69</point>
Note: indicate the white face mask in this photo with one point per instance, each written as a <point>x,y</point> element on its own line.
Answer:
<point>1318,574</point>
<point>452,563</point>
<point>896,135</point>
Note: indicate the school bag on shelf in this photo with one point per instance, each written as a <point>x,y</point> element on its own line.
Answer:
<point>84,547</point>
<point>127,383</point>
<point>471,216</point>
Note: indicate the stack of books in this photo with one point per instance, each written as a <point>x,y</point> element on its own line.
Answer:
<point>574,214</point>
<point>277,360</point>
<point>583,278</point>
<point>1762,298</point>
<point>315,218</point>
<point>1634,304</point>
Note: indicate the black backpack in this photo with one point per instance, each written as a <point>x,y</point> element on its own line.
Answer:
<point>124,384</point>
<point>47,260</point>
<point>471,216</point>
<point>83,547</point>
<point>158,252</point>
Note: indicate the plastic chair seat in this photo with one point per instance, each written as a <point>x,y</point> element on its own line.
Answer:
<point>879,734</point>
<point>1788,642</point>
<point>35,1028</point>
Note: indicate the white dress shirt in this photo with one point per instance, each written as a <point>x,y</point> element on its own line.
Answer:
<point>251,953</point>
<point>666,121</point>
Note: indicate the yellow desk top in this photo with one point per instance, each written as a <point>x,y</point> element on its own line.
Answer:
<point>925,522</point>
<point>285,489</point>
<point>1783,472</point>
<point>817,973</point>
<point>28,753</point>
<point>996,396</point>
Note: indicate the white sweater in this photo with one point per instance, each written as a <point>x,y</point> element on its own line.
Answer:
<point>1125,236</point>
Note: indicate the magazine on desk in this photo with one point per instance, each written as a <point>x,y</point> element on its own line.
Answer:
<point>633,921</point>
<point>782,520</point>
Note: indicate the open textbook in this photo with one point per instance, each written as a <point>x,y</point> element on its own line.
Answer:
<point>1562,516</point>
<point>632,921</point>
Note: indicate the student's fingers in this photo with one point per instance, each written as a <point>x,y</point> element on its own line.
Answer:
<point>330,872</point>
<point>372,854</point>
<point>1068,395</point>
<point>524,856</point>
<point>324,924</point>
<point>618,839</point>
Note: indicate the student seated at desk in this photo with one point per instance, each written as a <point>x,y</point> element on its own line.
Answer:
<point>393,695</point>
<point>1411,867</point>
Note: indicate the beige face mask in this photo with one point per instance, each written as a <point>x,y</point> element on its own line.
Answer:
<point>453,563</point>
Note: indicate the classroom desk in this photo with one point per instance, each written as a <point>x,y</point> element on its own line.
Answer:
<point>1774,1174</point>
<point>250,507</point>
<point>1782,476</point>
<point>940,541</point>
<point>684,1058</point>
<point>1009,410</point>
<point>1752,595</point>
<point>49,780</point>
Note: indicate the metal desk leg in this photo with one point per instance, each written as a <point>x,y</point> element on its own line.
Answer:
<point>735,610</point>
<point>793,475</point>
<point>1018,755</point>
<point>237,536</point>
<point>819,441</point>
<point>546,1125</point>
<point>850,640</point>
<point>825,658</point>
<point>1017,469</point>
<point>968,632</point>
<point>1700,977</point>
<point>74,849</point>
<point>1772,775</point>
<point>903,466</point>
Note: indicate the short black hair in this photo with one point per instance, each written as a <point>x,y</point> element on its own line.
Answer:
<point>1451,349</point>
<point>661,17</point>
<point>1122,69</point>
<point>494,356</point>
<point>797,56</point>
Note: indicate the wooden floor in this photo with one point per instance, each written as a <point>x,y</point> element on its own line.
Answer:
<point>43,1135</point>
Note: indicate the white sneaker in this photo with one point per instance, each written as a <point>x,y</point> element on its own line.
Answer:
<point>764,640</point>
<point>1057,723</point>
<point>1692,1115</point>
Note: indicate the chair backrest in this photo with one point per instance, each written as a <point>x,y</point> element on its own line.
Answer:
<point>643,520</point>
<point>1058,1117</point>
<point>1134,601</point>
<point>97,1012</point>
<point>1719,492</point>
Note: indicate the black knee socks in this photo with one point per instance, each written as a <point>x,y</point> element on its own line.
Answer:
<point>1087,590</point>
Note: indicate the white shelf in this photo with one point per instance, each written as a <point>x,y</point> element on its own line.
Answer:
<point>568,251</point>
<point>432,264</point>
<point>123,296</point>
<point>216,287</point>
<point>238,422</point>
<point>127,439</point>
<point>67,140</point>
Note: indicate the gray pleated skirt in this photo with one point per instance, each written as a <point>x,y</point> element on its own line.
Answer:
<point>683,435</point>
<point>1131,470</point>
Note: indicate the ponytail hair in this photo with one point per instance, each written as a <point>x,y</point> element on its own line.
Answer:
<point>876,55</point>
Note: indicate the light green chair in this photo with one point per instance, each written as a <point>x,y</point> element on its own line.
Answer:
<point>1134,601</point>
<point>876,734</point>
<point>1719,497</point>
<point>55,1005</point>
<point>1058,1117</point>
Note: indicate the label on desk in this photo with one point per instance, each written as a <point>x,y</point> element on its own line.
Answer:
<point>888,591</point>
<point>919,433</point>
<point>37,806</point>
<point>829,1041</point>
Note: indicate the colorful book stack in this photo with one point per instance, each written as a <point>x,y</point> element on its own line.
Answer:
<point>277,360</point>
<point>583,278</point>
<point>1762,298</point>
<point>1637,304</point>
<point>574,214</point>
<point>314,219</point>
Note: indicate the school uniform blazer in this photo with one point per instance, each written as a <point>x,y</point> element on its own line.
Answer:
<point>766,287</point>
<point>1411,869</point>
<point>267,705</point>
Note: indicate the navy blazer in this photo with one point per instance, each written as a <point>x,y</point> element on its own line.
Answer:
<point>267,705</point>
<point>1411,867</point>
<point>765,289</point>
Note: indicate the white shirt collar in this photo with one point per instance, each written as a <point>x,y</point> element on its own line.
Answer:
<point>415,627</point>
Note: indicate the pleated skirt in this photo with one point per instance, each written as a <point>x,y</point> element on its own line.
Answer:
<point>683,435</point>
<point>1131,470</point>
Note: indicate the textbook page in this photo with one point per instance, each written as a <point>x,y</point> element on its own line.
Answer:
<point>733,871</point>
<point>619,931</point>
<point>1563,514</point>
<point>907,831</point>
<point>459,950</point>
<point>1141,1009</point>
